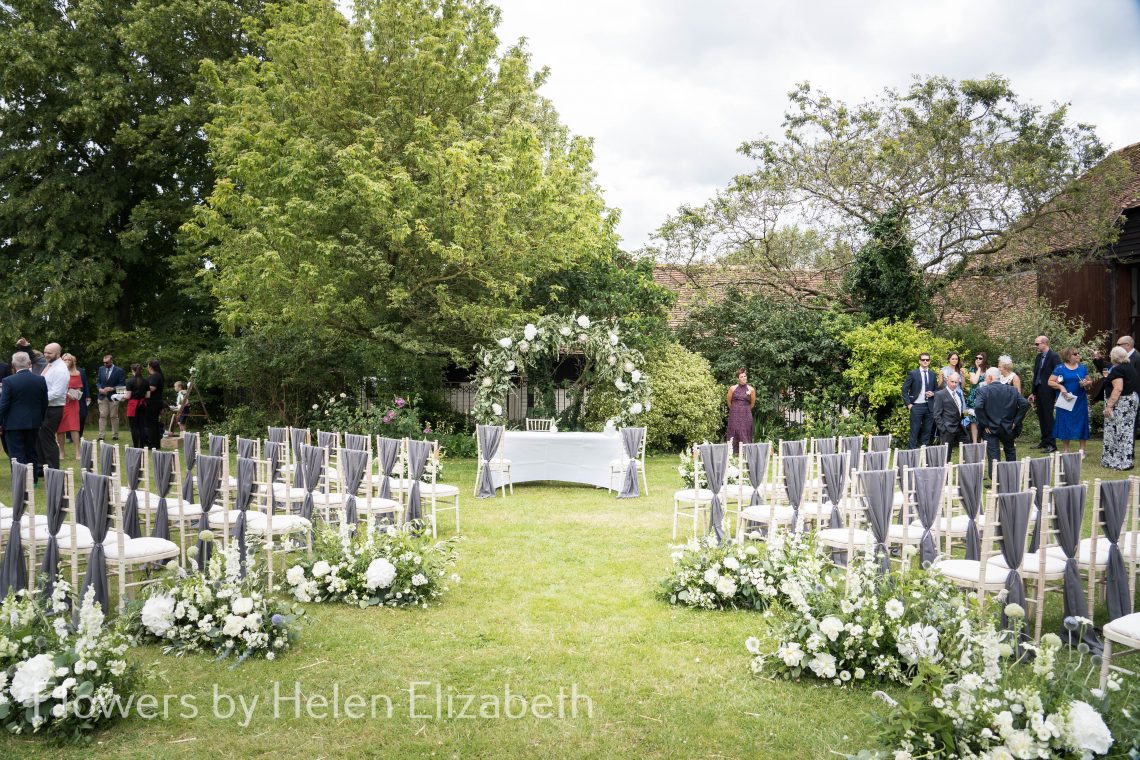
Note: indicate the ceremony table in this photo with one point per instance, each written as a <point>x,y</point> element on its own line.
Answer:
<point>567,457</point>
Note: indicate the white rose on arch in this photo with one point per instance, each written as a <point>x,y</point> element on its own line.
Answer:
<point>505,342</point>
<point>530,331</point>
<point>648,406</point>
<point>524,346</point>
<point>584,322</point>
<point>497,409</point>
<point>620,384</point>
<point>487,382</point>
<point>564,331</point>
<point>629,367</point>
<point>582,338</point>
<point>613,339</point>
<point>636,376</point>
<point>510,366</point>
<point>612,360</point>
<point>636,408</point>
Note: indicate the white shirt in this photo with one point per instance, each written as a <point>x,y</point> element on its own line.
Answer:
<point>922,393</point>
<point>57,376</point>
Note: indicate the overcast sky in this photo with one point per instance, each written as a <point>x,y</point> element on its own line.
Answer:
<point>669,89</point>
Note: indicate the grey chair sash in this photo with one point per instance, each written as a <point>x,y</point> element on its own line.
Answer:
<point>217,445</point>
<point>209,479</point>
<point>1069,465</point>
<point>490,437</point>
<point>876,460</point>
<point>972,453</point>
<point>190,446</point>
<point>824,446</point>
<point>880,443</point>
<point>246,472</point>
<point>352,465</point>
<point>852,446</point>
<point>246,448</point>
<point>133,466</point>
<point>14,569</point>
<point>86,454</point>
<point>714,460</point>
<point>162,466</point>
<point>98,490</point>
<point>1008,477</point>
<point>107,459</point>
<point>756,456</point>
<point>273,452</point>
<point>418,453</point>
<point>277,434</point>
<point>631,438</point>
<point>791,448</point>
<point>356,442</point>
<point>1013,513</point>
<point>388,450</point>
<point>970,481</point>
<point>878,487</point>
<point>1114,498</point>
<point>907,461</point>
<point>310,468</point>
<point>54,481</point>
<point>795,479</point>
<point>297,438</point>
<point>1040,475</point>
<point>928,483</point>
<point>326,440</point>
<point>937,456</point>
<point>1069,505</point>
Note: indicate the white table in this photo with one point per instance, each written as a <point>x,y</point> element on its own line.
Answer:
<point>567,457</point>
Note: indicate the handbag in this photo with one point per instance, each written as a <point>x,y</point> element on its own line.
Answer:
<point>74,394</point>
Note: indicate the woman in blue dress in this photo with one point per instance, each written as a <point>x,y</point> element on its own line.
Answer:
<point>1071,380</point>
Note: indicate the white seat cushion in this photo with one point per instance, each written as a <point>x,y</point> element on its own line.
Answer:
<point>175,507</point>
<point>955,526</point>
<point>763,513</point>
<point>844,537</point>
<point>1125,629</point>
<point>258,522</point>
<point>907,533</point>
<point>218,518</point>
<point>140,494</point>
<point>5,512</point>
<point>814,510</point>
<point>967,570</point>
<point>83,540</point>
<point>40,522</point>
<point>139,549</point>
<point>619,464</point>
<point>284,491</point>
<point>376,505</point>
<point>1030,566</point>
<point>690,494</point>
<point>1084,550</point>
<point>440,490</point>
<point>741,494</point>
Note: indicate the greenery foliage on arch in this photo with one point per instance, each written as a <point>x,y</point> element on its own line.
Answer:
<point>609,359</point>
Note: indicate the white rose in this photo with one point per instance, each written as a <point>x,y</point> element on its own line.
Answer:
<point>612,360</point>
<point>629,367</point>
<point>505,342</point>
<point>636,408</point>
<point>648,406</point>
<point>823,665</point>
<point>320,568</point>
<point>510,366</point>
<point>158,614</point>
<point>380,574</point>
<point>726,586</point>
<point>486,382</point>
<point>613,339</point>
<point>635,376</point>
<point>584,322</point>
<point>497,409</point>
<point>619,384</point>
<point>530,331</point>
<point>524,346</point>
<point>233,626</point>
<point>31,684</point>
<point>243,605</point>
<point>752,644</point>
<point>732,563</point>
<point>564,331</point>
<point>582,337</point>
<point>831,627</point>
<point>791,654</point>
<point>295,576</point>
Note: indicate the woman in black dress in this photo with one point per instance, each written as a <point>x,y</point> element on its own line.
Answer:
<point>137,388</point>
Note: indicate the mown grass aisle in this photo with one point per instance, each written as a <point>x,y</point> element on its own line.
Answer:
<point>557,593</point>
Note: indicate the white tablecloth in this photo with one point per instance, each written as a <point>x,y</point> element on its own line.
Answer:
<point>568,457</point>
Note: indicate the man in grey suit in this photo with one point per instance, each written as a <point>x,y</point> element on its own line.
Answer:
<point>1000,410</point>
<point>949,409</point>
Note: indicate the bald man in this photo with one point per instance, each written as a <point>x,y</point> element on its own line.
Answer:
<point>1128,344</point>
<point>57,376</point>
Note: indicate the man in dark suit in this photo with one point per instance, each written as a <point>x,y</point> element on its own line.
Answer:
<point>23,404</point>
<point>1041,394</point>
<point>1000,410</point>
<point>917,391</point>
<point>949,409</point>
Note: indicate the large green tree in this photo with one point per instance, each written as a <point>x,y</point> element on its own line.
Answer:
<point>102,155</point>
<point>883,279</point>
<point>390,179</point>
<point>979,178</point>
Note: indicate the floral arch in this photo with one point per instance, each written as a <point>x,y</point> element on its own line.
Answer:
<point>612,362</point>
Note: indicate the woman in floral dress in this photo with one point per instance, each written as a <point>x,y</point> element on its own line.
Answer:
<point>1119,413</point>
<point>741,399</point>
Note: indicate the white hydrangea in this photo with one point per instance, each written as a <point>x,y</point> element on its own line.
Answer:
<point>636,408</point>
<point>613,339</point>
<point>635,376</point>
<point>487,382</point>
<point>612,360</point>
<point>295,576</point>
<point>726,586</point>
<point>831,627</point>
<point>158,614</point>
<point>320,568</point>
<point>497,409</point>
<point>380,574</point>
<point>564,331</point>
<point>31,683</point>
<point>243,605</point>
<point>511,366</point>
<point>620,384</point>
<point>233,626</point>
<point>1085,729</point>
<point>629,367</point>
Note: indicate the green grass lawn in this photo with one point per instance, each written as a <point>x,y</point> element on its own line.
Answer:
<point>557,594</point>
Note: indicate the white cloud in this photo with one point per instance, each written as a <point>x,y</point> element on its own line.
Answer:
<point>670,88</point>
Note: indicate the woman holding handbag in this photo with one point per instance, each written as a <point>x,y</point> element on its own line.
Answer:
<point>69,423</point>
<point>137,388</point>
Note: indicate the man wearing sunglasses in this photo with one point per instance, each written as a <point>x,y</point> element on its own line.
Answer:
<point>1042,394</point>
<point>917,392</point>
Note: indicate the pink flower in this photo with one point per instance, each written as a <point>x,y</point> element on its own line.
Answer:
<point>400,402</point>
<point>427,430</point>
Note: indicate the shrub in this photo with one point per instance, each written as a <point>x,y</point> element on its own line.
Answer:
<point>882,353</point>
<point>1038,318</point>
<point>687,404</point>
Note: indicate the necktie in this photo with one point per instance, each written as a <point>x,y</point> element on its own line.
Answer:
<point>957,401</point>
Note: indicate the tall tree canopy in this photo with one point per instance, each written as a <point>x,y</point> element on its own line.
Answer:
<point>967,168</point>
<point>391,179</point>
<point>102,155</point>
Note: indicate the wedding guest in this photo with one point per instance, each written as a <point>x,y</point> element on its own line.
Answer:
<point>1043,395</point>
<point>917,391</point>
<point>1000,410</point>
<point>57,376</point>
<point>978,371</point>
<point>1070,379</point>
<point>1103,365</point>
<point>949,410</point>
<point>741,400</point>
<point>1120,413</point>
<point>953,364</point>
<point>107,379</point>
<point>136,396</point>
<point>1008,376</point>
<point>1128,344</point>
<point>23,404</point>
<point>156,384</point>
<point>69,423</point>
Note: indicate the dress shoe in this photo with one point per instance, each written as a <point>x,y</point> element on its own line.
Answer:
<point>1049,450</point>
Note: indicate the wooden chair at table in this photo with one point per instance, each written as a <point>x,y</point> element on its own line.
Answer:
<point>541,424</point>
<point>495,462</point>
<point>618,466</point>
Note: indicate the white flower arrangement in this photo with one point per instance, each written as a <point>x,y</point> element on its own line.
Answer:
<point>217,611</point>
<point>530,332</point>
<point>505,342</point>
<point>740,576</point>
<point>55,677</point>
<point>393,567</point>
<point>584,322</point>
